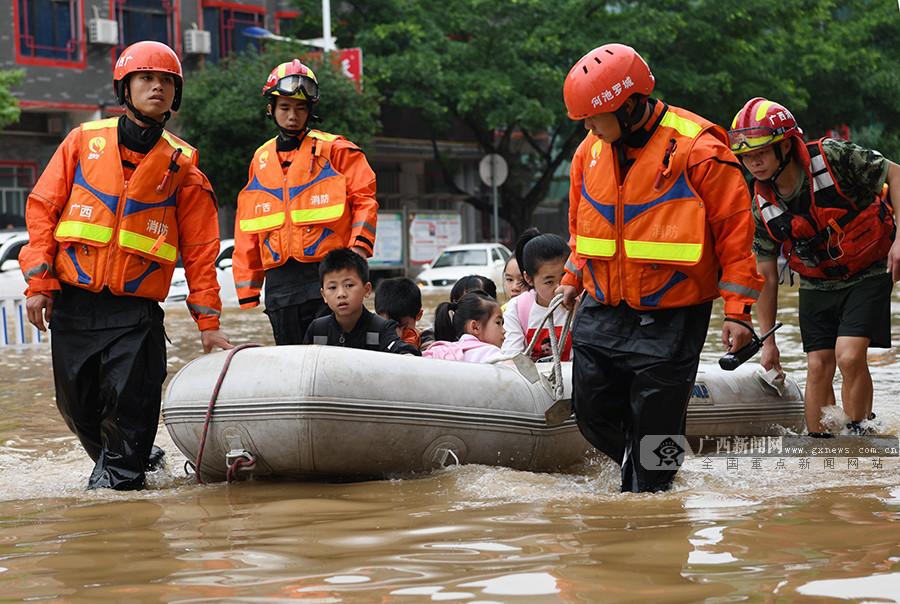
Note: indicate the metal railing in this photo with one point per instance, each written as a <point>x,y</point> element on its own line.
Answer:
<point>15,330</point>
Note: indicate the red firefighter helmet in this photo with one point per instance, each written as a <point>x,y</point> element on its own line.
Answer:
<point>761,123</point>
<point>147,56</point>
<point>603,79</point>
<point>293,80</point>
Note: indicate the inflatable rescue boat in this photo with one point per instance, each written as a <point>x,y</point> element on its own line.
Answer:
<point>306,412</point>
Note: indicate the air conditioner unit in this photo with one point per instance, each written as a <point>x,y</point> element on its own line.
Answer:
<point>103,31</point>
<point>197,42</point>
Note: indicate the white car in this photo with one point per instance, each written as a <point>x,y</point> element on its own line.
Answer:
<point>178,290</point>
<point>457,261</point>
<point>12,283</point>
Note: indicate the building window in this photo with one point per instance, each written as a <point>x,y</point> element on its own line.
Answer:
<point>146,20</point>
<point>284,19</point>
<point>16,181</point>
<point>49,32</point>
<point>226,23</point>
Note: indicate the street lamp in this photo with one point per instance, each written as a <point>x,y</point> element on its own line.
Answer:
<point>326,42</point>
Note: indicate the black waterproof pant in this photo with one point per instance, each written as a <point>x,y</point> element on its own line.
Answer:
<point>633,372</point>
<point>289,324</point>
<point>108,390</point>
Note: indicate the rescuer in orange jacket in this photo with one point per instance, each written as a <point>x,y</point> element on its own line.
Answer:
<point>308,192</point>
<point>119,201</point>
<point>660,226</point>
<point>822,205</point>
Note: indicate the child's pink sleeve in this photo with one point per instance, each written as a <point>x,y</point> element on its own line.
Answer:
<point>483,354</point>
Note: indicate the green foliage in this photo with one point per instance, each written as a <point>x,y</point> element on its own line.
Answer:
<point>224,115</point>
<point>496,69</point>
<point>829,61</point>
<point>9,105</point>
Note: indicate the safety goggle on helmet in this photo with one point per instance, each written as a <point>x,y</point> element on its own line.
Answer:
<point>760,123</point>
<point>293,80</point>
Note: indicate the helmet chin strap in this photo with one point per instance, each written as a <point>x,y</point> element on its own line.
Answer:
<point>783,161</point>
<point>154,124</point>
<point>627,119</point>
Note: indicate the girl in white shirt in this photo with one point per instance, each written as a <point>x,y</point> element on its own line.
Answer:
<point>541,258</point>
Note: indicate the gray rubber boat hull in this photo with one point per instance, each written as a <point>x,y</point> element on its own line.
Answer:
<point>314,411</point>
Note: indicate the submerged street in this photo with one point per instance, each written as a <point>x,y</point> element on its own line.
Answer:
<point>467,534</point>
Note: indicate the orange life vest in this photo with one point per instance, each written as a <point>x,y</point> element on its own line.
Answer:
<point>831,236</point>
<point>647,236</point>
<point>295,213</point>
<point>117,234</point>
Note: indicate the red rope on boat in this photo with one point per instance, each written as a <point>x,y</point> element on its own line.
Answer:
<point>212,404</point>
<point>236,465</point>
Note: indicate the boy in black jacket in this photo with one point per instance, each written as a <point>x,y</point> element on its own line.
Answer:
<point>344,277</point>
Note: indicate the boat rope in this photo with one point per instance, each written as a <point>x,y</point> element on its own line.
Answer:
<point>244,460</point>
<point>557,345</point>
<point>212,404</point>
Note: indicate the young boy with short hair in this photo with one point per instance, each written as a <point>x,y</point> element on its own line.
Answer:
<point>344,278</point>
<point>400,300</point>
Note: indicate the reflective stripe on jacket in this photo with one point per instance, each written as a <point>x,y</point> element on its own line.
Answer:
<point>650,238</point>
<point>831,236</point>
<point>324,200</point>
<point>93,230</point>
<point>140,215</point>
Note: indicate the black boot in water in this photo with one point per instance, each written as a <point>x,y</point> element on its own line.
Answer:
<point>157,459</point>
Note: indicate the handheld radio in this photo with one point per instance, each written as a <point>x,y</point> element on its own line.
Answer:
<point>733,360</point>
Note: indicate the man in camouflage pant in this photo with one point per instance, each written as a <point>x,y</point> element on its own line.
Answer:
<point>829,207</point>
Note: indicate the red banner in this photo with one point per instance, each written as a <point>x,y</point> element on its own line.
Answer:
<point>350,60</point>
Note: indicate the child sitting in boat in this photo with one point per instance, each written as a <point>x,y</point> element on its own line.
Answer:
<point>513,284</point>
<point>344,280</point>
<point>462,286</point>
<point>470,283</point>
<point>399,299</point>
<point>469,330</point>
<point>542,258</point>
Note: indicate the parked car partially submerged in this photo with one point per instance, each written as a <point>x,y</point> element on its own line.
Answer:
<point>12,283</point>
<point>457,261</point>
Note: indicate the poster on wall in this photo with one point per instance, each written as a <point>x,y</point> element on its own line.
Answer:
<point>430,233</point>
<point>388,241</point>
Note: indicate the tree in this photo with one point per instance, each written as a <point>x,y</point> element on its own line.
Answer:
<point>497,68</point>
<point>9,105</point>
<point>829,61</point>
<point>223,112</point>
<point>493,68</point>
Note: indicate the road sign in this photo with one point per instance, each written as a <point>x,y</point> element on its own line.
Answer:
<point>493,170</point>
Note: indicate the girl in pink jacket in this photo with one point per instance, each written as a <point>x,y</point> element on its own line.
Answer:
<point>469,330</point>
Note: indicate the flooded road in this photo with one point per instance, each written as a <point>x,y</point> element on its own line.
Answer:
<point>471,534</point>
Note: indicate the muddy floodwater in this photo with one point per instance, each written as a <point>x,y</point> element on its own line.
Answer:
<point>756,530</point>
